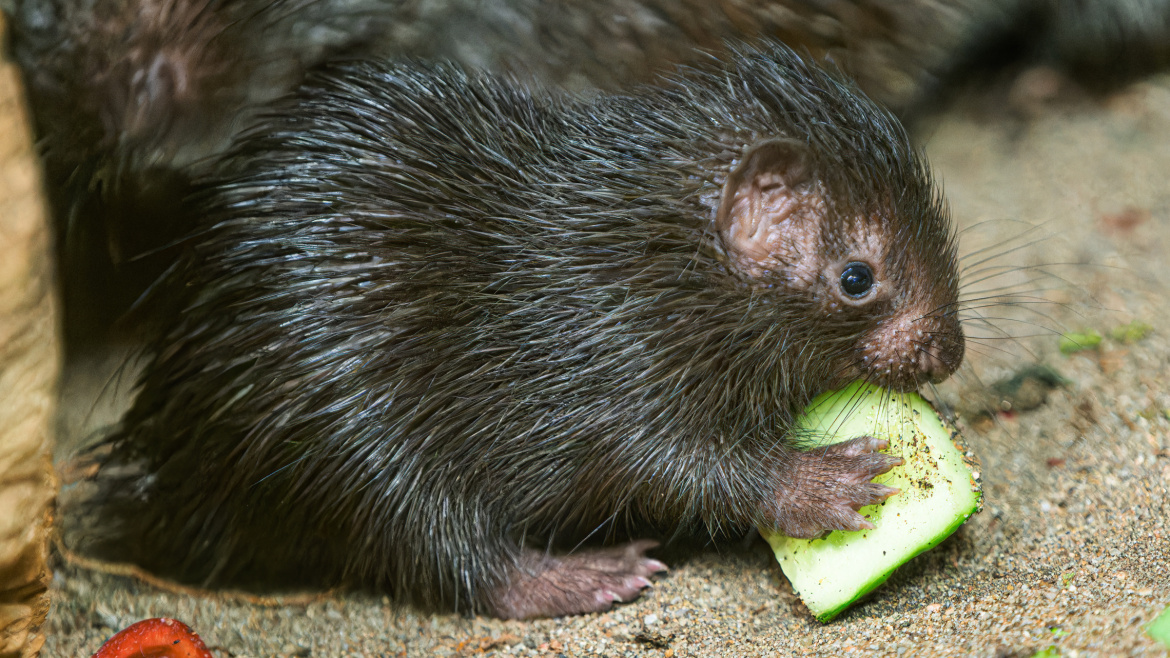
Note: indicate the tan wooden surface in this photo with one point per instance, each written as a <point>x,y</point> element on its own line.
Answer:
<point>29,363</point>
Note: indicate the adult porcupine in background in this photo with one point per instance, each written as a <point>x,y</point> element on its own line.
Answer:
<point>434,329</point>
<point>129,96</point>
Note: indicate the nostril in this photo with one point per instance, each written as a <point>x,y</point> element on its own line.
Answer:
<point>931,364</point>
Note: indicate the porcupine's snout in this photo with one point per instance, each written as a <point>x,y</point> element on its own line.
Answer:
<point>906,352</point>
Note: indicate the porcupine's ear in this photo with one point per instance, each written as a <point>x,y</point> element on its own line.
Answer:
<point>770,213</point>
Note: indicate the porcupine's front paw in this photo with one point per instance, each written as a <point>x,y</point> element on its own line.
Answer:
<point>825,487</point>
<point>581,582</point>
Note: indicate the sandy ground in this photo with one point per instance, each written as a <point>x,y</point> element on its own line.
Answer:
<point>1072,550</point>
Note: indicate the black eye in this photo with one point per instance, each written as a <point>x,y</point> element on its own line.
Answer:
<point>857,280</point>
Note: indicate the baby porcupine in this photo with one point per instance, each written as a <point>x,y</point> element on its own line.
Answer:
<point>436,328</point>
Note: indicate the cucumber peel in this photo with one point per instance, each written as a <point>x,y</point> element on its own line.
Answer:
<point>939,492</point>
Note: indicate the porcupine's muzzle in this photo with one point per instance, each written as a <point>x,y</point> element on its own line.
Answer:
<point>904,355</point>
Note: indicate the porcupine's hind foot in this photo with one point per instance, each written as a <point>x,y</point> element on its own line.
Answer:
<point>593,580</point>
<point>824,487</point>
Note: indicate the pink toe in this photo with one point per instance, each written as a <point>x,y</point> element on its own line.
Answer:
<point>655,566</point>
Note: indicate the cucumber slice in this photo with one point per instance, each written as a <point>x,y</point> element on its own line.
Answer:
<point>939,492</point>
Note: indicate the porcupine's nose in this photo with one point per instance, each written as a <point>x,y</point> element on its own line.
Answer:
<point>905,355</point>
<point>942,352</point>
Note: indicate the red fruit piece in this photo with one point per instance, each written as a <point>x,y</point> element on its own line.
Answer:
<point>155,638</point>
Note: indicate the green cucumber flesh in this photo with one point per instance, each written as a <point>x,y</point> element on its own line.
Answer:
<point>939,492</point>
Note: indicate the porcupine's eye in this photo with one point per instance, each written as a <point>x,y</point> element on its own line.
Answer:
<point>857,280</point>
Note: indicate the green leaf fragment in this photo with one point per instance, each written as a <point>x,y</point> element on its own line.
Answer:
<point>1159,629</point>
<point>939,492</point>
<point>1130,333</point>
<point>1088,339</point>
